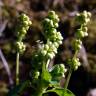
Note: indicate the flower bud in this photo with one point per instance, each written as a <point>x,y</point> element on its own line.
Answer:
<point>46,47</point>
<point>20,47</point>
<point>56,44</point>
<point>44,52</point>
<point>50,55</point>
<point>77,44</point>
<point>76,63</point>
<point>89,14</point>
<point>23,26</point>
<point>85,14</point>
<point>58,70</point>
<point>52,15</point>
<point>36,74</point>
<point>79,33</point>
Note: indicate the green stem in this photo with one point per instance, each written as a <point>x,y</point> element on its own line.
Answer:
<point>47,65</point>
<point>41,86</point>
<point>75,54</point>
<point>17,68</point>
<point>68,79</point>
<point>69,74</point>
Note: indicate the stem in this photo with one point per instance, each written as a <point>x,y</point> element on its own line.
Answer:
<point>68,79</point>
<point>42,87</point>
<point>75,54</point>
<point>17,68</point>
<point>47,65</point>
<point>69,74</point>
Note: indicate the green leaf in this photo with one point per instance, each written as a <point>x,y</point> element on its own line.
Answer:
<point>16,91</point>
<point>60,92</point>
<point>68,93</point>
<point>46,76</point>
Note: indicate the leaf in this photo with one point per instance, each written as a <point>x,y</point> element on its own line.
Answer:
<point>18,89</point>
<point>46,76</point>
<point>69,93</point>
<point>60,92</point>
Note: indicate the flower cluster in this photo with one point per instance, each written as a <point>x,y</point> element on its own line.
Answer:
<point>77,44</point>
<point>54,38</point>
<point>21,30</point>
<point>75,63</point>
<point>83,18</point>
<point>58,71</point>
<point>48,50</point>
<point>20,46</point>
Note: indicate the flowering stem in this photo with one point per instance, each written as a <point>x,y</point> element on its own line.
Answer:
<point>75,54</point>
<point>69,74</point>
<point>68,79</point>
<point>17,68</point>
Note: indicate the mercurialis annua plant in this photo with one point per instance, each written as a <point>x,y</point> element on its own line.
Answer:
<point>48,77</point>
<point>43,79</point>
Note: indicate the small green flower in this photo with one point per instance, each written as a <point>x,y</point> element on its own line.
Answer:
<point>74,63</point>
<point>52,15</point>
<point>77,44</point>
<point>48,50</point>
<point>80,33</point>
<point>36,74</point>
<point>20,47</point>
<point>54,38</point>
<point>58,71</point>
<point>21,30</point>
<point>49,25</point>
<point>24,24</point>
<point>56,44</point>
<point>83,18</point>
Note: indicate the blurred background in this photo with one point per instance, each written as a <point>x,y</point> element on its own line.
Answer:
<point>83,81</point>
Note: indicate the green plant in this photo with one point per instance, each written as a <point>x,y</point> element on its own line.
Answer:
<point>45,80</point>
<point>21,31</point>
<point>83,19</point>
